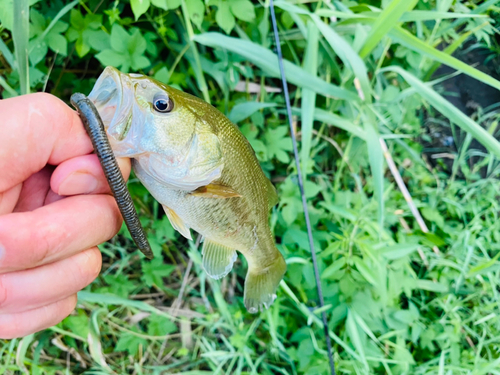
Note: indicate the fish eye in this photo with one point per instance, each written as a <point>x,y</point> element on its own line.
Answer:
<point>163,104</point>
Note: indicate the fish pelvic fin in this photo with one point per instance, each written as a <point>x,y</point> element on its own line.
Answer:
<point>217,259</point>
<point>215,191</point>
<point>261,285</point>
<point>177,223</point>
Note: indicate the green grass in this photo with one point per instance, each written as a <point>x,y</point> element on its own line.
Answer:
<point>357,71</point>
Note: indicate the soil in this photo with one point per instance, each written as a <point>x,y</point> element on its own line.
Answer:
<point>442,139</point>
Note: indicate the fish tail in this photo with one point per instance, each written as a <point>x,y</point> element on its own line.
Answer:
<point>261,284</point>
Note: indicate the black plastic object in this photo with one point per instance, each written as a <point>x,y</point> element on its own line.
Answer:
<point>95,129</point>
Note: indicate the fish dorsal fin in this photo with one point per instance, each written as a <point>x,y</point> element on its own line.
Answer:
<point>215,191</point>
<point>177,223</point>
<point>217,259</point>
<point>272,195</point>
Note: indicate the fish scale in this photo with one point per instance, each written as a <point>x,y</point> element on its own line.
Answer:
<point>202,170</point>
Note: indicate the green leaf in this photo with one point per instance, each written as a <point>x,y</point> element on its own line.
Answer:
<point>57,43</point>
<point>241,111</point>
<point>268,61</point>
<point>97,39</point>
<point>139,7</point>
<point>119,38</point>
<point>112,58</point>
<point>38,51</point>
<point>364,270</point>
<point>166,4</point>
<point>196,10</point>
<point>384,22</point>
<point>160,326</point>
<point>278,143</point>
<point>78,324</point>
<point>243,9</point>
<point>431,286</point>
<point>130,343</point>
<point>224,17</point>
<point>139,62</point>
<point>154,271</point>
<point>85,31</point>
<point>398,251</point>
<point>7,13</point>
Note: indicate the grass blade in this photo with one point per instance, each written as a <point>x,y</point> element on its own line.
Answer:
<point>309,96</point>
<point>347,54</point>
<point>268,62</point>
<point>426,15</point>
<point>450,111</point>
<point>20,34</point>
<point>244,110</point>
<point>478,10</point>
<point>353,333</point>
<point>453,47</point>
<point>412,16</point>
<point>410,41</point>
<point>335,120</point>
<point>4,50</point>
<point>385,22</point>
<point>376,160</point>
<point>7,87</point>
<point>200,78</point>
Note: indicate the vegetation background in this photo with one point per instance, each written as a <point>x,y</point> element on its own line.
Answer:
<point>402,296</point>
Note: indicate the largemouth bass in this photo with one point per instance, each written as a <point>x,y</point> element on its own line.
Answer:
<point>203,171</point>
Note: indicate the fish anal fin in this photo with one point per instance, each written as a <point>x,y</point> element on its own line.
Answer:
<point>261,284</point>
<point>215,191</point>
<point>177,223</point>
<point>272,195</point>
<point>217,259</point>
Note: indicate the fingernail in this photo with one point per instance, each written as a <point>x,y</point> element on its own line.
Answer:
<point>78,183</point>
<point>2,251</point>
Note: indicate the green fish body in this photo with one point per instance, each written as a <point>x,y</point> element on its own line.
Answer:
<point>203,171</point>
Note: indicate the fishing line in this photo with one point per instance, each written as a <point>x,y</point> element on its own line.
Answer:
<point>301,187</point>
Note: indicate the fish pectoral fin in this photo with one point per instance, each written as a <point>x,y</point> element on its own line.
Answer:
<point>177,223</point>
<point>215,191</point>
<point>217,259</point>
<point>261,284</point>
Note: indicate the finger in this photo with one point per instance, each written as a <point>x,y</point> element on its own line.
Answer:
<point>34,191</point>
<point>30,289</point>
<point>56,231</point>
<point>9,198</point>
<point>84,175</point>
<point>37,129</point>
<point>27,322</point>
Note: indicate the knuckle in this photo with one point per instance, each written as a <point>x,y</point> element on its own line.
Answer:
<point>46,240</point>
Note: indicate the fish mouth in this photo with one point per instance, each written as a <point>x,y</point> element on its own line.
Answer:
<point>112,96</point>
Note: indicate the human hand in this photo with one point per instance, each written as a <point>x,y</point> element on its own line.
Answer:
<point>47,241</point>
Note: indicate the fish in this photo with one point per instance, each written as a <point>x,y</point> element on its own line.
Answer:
<point>198,165</point>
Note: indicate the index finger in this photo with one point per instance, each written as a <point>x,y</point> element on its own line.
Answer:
<point>37,129</point>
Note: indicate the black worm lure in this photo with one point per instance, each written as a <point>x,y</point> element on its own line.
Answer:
<point>95,129</point>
